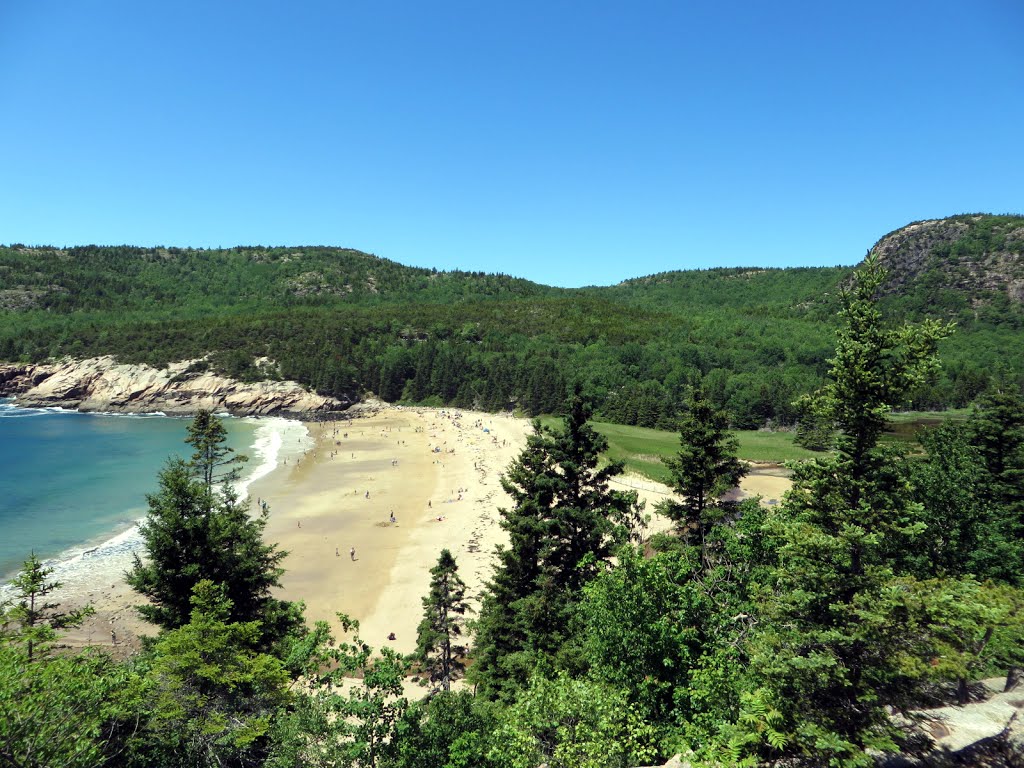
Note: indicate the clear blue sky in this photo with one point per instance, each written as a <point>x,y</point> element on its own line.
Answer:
<point>569,143</point>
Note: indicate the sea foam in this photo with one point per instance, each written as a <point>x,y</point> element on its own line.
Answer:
<point>81,568</point>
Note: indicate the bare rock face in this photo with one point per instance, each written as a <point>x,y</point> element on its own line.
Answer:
<point>985,734</point>
<point>102,384</point>
<point>974,255</point>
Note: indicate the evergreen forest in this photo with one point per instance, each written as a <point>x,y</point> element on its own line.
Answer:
<point>346,323</point>
<point>803,634</point>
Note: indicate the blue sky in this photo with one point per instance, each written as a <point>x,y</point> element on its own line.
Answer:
<point>570,143</point>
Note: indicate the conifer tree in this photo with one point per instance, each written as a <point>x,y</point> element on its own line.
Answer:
<point>704,470</point>
<point>831,651</point>
<point>444,609</point>
<point>997,432</point>
<point>563,527</point>
<point>207,435</point>
<point>193,533</point>
<point>36,621</point>
<point>213,694</point>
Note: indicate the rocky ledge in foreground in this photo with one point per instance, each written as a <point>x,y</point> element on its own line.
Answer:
<point>102,384</point>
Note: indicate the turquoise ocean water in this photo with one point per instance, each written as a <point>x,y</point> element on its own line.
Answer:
<point>71,480</point>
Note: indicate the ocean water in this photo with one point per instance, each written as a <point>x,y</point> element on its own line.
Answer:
<point>71,482</point>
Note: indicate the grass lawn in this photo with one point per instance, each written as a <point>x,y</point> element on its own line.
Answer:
<point>642,449</point>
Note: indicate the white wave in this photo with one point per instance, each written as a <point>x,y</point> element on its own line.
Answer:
<point>8,409</point>
<point>275,438</point>
<point>84,566</point>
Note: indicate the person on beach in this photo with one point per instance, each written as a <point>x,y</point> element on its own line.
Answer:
<point>352,554</point>
<point>393,518</point>
<point>336,552</point>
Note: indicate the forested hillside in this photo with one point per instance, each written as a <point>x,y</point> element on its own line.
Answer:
<point>850,625</point>
<point>345,322</point>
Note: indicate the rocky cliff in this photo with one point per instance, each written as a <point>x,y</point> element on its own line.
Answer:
<point>976,256</point>
<point>102,384</point>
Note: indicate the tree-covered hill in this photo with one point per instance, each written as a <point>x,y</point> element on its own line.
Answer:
<point>126,277</point>
<point>346,322</point>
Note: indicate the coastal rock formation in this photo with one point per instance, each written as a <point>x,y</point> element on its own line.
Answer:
<point>102,384</point>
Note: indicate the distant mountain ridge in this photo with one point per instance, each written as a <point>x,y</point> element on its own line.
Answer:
<point>343,323</point>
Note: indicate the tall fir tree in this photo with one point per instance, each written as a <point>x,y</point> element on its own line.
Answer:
<point>829,653</point>
<point>563,527</point>
<point>212,460</point>
<point>438,642</point>
<point>704,470</point>
<point>193,532</point>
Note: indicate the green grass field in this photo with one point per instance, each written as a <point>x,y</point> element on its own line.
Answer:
<point>643,449</point>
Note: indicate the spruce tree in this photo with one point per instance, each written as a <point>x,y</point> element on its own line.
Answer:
<point>194,531</point>
<point>207,435</point>
<point>832,648</point>
<point>704,470</point>
<point>996,431</point>
<point>563,527</point>
<point>35,620</point>
<point>444,610</point>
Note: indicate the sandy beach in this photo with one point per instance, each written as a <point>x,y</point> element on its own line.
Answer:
<point>363,510</point>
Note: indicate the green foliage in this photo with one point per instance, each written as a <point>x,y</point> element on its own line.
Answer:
<point>643,625</point>
<point>63,711</point>
<point>344,322</point>
<point>567,723</point>
<point>832,650</point>
<point>211,694</point>
<point>192,533</point>
<point>997,433</point>
<point>704,469</point>
<point>449,730</point>
<point>31,620</point>
<point>444,608</point>
<point>207,435</point>
<point>959,537</point>
<point>814,432</point>
<point>351,708</point>
<point>563,528</point>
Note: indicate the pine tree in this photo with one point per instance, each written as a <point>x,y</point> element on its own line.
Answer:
<point>207,435</point>
<point>832,649</point>
<point>997,432</point>
<point>36,621</point>
<point>563,527</point>
<point>212,694</point>
<point>444,609</point>
<point>704,470</point>
<point>192,533</point>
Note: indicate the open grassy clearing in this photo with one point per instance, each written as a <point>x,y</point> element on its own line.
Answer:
<point>643,449</point>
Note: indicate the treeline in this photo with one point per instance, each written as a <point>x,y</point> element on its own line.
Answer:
<point>345,323</point>
<point>748,635</point>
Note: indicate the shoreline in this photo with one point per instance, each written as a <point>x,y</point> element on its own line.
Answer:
<point>92,571</point>
<point>124,537</point>
<point>334,486</point>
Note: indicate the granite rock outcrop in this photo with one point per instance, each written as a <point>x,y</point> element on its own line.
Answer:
<point>102,384</point>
